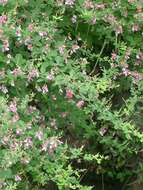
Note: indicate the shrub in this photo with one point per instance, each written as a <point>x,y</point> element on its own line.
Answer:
<point>70,92</point>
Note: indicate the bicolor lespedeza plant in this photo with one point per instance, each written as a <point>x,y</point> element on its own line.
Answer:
<point>71,93</point>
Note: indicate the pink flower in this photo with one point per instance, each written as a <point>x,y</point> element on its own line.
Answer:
<point>3,89</point>
<point>33,74</point>
<point>25,160</point>
<point>69,2</point>
<point>42,34</point>
<point>73,19</point>
<point>103,131</point>
<point>110,19</point>
<point>113,56</point>
<point>18,131</point>
<point>29,46</point>
<point>2,73</point>
<point>51,144</point>
<point>126,72</point>
<point>13,107</point>
<point>44,89</point>
<point>28,41</point>
<point>39,135</point>
<point>74,48</point>
<point>5,46</point>
<point>17,178</point>
<point>69,94</point>
<point>80,104</point>
<point>64,114</point>
<point>93,21</point>
<point>3,19</point>
<point>18,32</point>
<point>100,6</point>
<point>119,30</point>
<point>61,49</point>
<point>47,46</point>
<point>135,28</point>
<point>53,123</point>
<point>137,76</point>
<point>31,109</point>
<point>15,118</point>
<point>16,72</point>
<point>88,4</point>
<point>50,77</point>
<point>30,27</point>
<point>28,142</point>
<point>3,2</point>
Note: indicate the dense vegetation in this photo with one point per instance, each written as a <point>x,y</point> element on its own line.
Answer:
<point>71,94</point>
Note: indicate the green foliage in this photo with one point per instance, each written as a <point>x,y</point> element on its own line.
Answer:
<point>71,92</point>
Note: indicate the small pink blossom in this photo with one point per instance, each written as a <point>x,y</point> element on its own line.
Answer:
<point>53,123</point>
<point>3,2</point>
<point>15,118</point>
<point>127,54</point>
<point>29,126</point>
<point>31,109</point>
<point>2,73</point>
<point>93,21</point>
<point>3,19</point>
<point>113,56</point>
<point>17,72</point>
<point>30,47</point>
<point>135,28</point>
<point>47,46</point>
<point>64,114</point>
<point>88,4</point>
<point>103,131</point>
<point>137,76</point>
<point>18,131</point>
<point>18,32</point>
<point>42,34</point>
<point>74,19</point>
<point>5,46</point>
<point>33,74</point>
<point>13,107</point>
<point>25,160</point>
<point>74,48</point>
<point>126,72</point>
<point>45,89</point>
<point>30,27</point>
<point>61,49</point>
<point>110,19</point>
<point>100,6</point>
<point>80,104</point>
<point>50,77</point>
<point>3,89</point>
<point>5,140</point>
<point>28,142</point>
<point>131,1</point>
<point>69,94</point>
<point>51,144</point>
<point>28,41</point>
<point>18,178</point>
<point>69,2</point>
<point>119,30</point>
<point>39,135</point>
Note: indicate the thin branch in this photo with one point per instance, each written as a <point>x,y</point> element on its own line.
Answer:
<point>102,49</point>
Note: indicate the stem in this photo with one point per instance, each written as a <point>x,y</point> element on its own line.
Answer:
<point>102,182</point>
<point>88,31</point>
<point>102,49</point>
